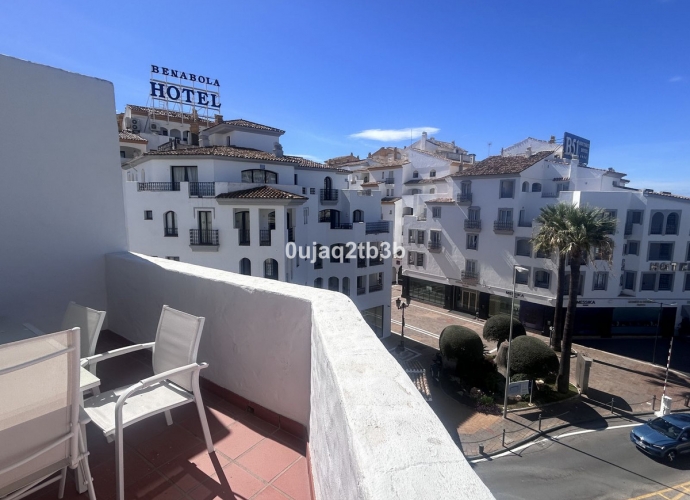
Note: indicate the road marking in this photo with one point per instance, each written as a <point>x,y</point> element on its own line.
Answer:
<point>455,316</point>
<point>681,491</point>
<point>416,329</point>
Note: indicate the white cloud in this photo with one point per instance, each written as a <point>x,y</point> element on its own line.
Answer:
<point>676,79</point>
<point>393,135</point>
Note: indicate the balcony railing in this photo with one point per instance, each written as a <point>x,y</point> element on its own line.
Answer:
<point>544,194</point>
<point>434,246</point>
<point>475,225</point>
<point>361,290</point>
<point>470,276</point>
<point>375,288</point>
<point>389,180</point>
<point>628,229</point>
<point>243,237</point>
<point>364,192</point>
<point>377,227</point>
<point>265,237</point>
<point>208,237</point>
<point>170,231</point>
<point>506,226</point>
<point>464,198</point>
<point>202,189</point>
<point>342,225</point>
<point>524,223</point>
<point>158,186</point>
<point>291,234</point>
<point>328,196</point>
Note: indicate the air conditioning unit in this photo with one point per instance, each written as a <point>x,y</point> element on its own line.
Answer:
<point>135,129</point>
<point>135,121</point>
<point>154,126</point>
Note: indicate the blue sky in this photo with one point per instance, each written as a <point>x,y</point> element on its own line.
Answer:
<point>615,72</point>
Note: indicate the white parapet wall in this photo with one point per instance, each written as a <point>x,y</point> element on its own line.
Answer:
<point>308,355</point>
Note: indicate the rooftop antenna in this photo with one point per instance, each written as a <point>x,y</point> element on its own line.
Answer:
<point>489,148</point>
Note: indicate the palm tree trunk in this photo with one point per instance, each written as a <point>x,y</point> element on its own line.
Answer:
<point>558,313</point>
<point>563,380</point>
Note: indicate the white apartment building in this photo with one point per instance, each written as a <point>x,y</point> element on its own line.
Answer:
<point>235,202</point>
<point>463,238</point>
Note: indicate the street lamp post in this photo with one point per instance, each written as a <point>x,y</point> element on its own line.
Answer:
<point>402,305</point>
<point>658,325</point>
<point>516,268</point>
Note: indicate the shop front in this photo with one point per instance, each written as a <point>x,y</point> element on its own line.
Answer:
<point>427,291</point>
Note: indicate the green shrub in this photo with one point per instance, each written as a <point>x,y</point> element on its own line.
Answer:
<point>462,348</point>
<point>497,328</point>
<point>532,357</point>
<point>486,400</point>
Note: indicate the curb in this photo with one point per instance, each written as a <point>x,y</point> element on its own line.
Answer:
<point>571,398</point>
<point>544,432</point>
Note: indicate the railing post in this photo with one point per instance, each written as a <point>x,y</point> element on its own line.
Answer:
<point>503,439</point>
<point>540,422</point>
<point>654,403</point>
<point>611,405</point>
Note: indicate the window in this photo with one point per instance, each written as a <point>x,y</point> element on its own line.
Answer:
<point>318,262</point>
<point>543,254</point>
<point>338,252</point>
<point>148,214</point>
<point>633,248</point>
<point>473,214</point>
<point>562,186</point>
<point>636,216</point>
<point>542,278</point>
<point>170,223</point>
<point>259,176</point>
<point>471,267</point>
<point>163,131</point>
<point>346,286</point>
<point>420,237</point>
<point>687,282</point>
<point>333,284</point>
<point>410,258</point>
<point>665,282</point>
<point>600,281</point>
<point>466,187</point>
<point>660,251</point>
<point>580,287</point>
<point>435,238</point>
<point>415,191</point>
<point>648,281</point>
<point>304,190</point>
<point>420,259</point>
<point>472,241</point>
<point>325,215</point>
<point>629,280</point>
<point>523,247</point>
<point>271,269</point>
<point>672,223</point>
<point>312,190</point>
<point>432,173</point>
<point>246,267</point>
<point>536,187</point>
<point>657,224</point>
<point>525,187</point>
<point>361,285</point>
<point>411,237</point>
<point>611,215</point>
<point>327,184</point>
<point>358,216</point>
<point>318,283</point>
<point>505,215</point>
<point>415,175</point>
<point>305,211</point>
<point>522,277</point>
<point>432,191</point>
<point>507,189</point>
<point>122,154</point>
<point>601,254</point>
<point>436,212</point>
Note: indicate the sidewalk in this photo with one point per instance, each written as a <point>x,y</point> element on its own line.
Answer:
<point>631,384</point>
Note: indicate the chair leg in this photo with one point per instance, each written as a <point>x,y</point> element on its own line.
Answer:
<point>168,417</point>
<point>119,464</point>
<point>63,480</point>
<point>84,466</point>
<point>202,412</point>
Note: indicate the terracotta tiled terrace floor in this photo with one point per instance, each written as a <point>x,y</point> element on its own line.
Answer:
<point>253,460</point>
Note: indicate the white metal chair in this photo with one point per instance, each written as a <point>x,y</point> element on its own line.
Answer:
<point>90,322</point>
<point>175,382</point>
<point>39,414</point>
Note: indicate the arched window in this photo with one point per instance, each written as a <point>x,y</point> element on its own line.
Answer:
<point>523,247</point>
<point>358,216</point>
<point>657,223</point>
<point>170,223</point>
<point>176,134</point>
<point>327,183</point>
<point>259,176</point>
<point>271,269</point>
<point>672,223</point>
<point>536,187</point>
<point>333,284</point>
<point>246,267</point>
<point>318,283</point>
<point>415,175</point>
<point>525,187</point>
<point>163,131</point>
<point>432,191</point>
<point>346,286</point>
<point>432,173</point>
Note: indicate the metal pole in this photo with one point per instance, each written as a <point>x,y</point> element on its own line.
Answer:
<point>654,403</point>
<point>658,329</point>
<point>503,439</point>
<point>402,330</point>
<point>540,422</point>
<point>510,338</point>
<point>668,364</point>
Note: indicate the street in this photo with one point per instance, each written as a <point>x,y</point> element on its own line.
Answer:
<point>602,464</point>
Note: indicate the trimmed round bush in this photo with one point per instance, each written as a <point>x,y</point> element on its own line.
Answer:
<point>462,348</point>
<point>532,357</point>
<point>497,328</point>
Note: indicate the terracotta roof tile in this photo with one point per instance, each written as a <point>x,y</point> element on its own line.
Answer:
<point>502,165</point>
<point>446,145</point>
<point>239,122</point>
<point>128,136</point>
<point>430,153</point>
<point>261,192</point>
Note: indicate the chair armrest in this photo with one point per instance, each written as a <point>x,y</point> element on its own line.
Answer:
<point>97,358</point>
<point>143,384</point>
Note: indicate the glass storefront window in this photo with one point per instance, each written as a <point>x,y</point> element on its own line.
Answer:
<point>501,305</point>
<point>427,291</point>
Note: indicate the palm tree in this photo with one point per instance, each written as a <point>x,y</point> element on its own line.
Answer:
<point>549,239</point>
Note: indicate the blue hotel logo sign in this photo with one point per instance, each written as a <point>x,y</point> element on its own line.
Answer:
<point>574,146</point>
<point>185,88</point>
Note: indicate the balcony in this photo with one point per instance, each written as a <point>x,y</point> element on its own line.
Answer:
<point>434,246</point>
<point>464,199</point>
<point>375,288</point>
<point>158,186</point>
<point>524,223</point>
<point>470,277</point>
<point>243,237</point>
<point>473,225</point>
<point>544,194</point>
<point>377,227</point>
<point>203,237</point>
<point>265,237</point>
<point>361,290</point>
<point>291,234</point>
<point>202,189</point>
<point>170,231</point>
<point>503,227</point>
<point>328,196</point>
<point>389,180</point>
<point>342,225</point>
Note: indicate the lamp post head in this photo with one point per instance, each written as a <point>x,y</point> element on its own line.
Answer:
<point>397,302</point>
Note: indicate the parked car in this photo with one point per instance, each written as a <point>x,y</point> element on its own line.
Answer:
<point>664,437</point>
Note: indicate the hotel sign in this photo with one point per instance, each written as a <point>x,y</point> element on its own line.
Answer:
<point>186,91</point>
<point>574,146</point>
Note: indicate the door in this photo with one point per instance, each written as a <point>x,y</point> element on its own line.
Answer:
<point>205,227</point>
<point>505,215</point>
<point>335,219</point>
<point>468,300</point>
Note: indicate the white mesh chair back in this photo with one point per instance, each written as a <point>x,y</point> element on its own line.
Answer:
<point>177,343</point>
<point>39,408</point>
<point>89,321</point>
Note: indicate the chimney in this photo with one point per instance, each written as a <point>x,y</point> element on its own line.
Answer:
<point>218,119</point>
<point>396,155</point>
<point>194,128</point>
<point>528,152</point>
<point>552,140</point>
<point>204,139</point>
<point>473,156</point>
<point>277,150</point>
<point>422,146</point>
